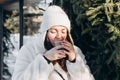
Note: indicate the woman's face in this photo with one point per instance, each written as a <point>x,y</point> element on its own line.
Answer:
<point>57,33</point>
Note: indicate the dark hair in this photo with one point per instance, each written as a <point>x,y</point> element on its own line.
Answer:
<point>48,46</point>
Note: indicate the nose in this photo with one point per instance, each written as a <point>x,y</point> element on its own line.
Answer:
<point>59,36</point>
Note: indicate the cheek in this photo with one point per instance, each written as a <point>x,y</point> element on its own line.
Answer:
<point>51,37</point>
<point>64,36</point>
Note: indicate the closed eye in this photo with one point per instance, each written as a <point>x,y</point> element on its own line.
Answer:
<point>64,31</point>
<point>52,31</point>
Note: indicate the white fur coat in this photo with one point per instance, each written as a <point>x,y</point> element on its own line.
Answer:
<point>31,65</point>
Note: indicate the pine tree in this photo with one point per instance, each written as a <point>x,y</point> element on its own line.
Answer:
<point>96,30</point>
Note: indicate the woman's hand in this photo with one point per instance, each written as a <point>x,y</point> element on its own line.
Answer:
<point>55,53</point>
<point>69,50</point>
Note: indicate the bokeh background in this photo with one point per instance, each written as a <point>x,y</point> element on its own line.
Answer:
<point>95,29</point>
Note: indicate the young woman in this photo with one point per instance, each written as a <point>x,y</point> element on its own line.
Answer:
<point>53,55</point>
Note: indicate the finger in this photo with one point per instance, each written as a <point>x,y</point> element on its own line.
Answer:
<point>61,52</point>
<point>66,52</point>
<point>69,45</point>
<point>66,42</point>
<point>60,56</point>
<point>66,48</point>
<point>58,47</point>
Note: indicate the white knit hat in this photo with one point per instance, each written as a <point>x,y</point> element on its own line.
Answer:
<point>54,15</point>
